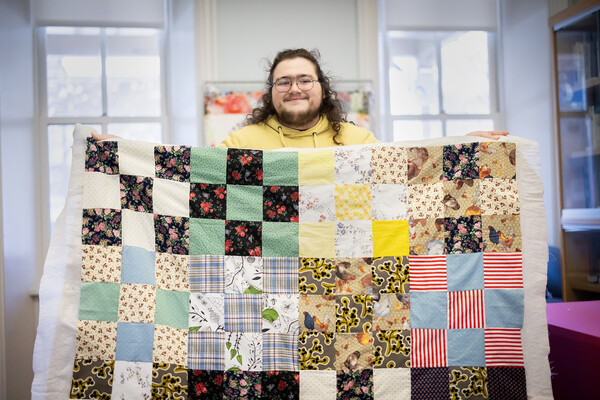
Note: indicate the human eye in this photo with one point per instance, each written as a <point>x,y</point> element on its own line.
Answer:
<point>283,82</point>
<point>304,80</point>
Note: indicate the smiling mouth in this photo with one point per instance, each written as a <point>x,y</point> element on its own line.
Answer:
<point>295,99</point>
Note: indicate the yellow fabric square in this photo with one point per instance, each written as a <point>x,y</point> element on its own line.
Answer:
<point>316,167</point>
<point>317,239</point>
<point>390,238</point>
<point>352,202</point>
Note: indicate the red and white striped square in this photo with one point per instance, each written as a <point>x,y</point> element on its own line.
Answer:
<point>429,348</point>
<point>503,270</point>
<point>466,309</point>
<point>428,273</point>
<point>503,348</point>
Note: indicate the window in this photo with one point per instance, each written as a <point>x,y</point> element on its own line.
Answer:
<point>440,83</point>
<point>107,78</point>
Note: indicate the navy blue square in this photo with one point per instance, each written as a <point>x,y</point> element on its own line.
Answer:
<point>429,383</point>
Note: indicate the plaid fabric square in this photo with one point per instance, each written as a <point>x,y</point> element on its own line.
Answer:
<point>466,309</point>
<point>503,270</point>
<point>207,274</point>
<point>206,350</point>
<point>243,312</point>
<point>503,348</point>
<point>280,275</point>
<point>280,352</point>
<point>428,348</point>
<point>427,273</point>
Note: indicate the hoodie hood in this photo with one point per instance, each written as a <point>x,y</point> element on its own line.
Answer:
<point>322,127</point>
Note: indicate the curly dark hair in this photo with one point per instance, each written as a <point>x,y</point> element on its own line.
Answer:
<point>331,106</point>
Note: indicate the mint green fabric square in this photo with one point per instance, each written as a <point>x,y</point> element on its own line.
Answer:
<point>207,236</point>
<point>280,239</point>
<point>99,301</point>
<point>280,168</point>
<point>208,165</point>
<point>244,203</point>
<point>172,308</point>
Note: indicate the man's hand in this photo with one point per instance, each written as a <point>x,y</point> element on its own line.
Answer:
<point>494,135</point>
<point>103,137</point>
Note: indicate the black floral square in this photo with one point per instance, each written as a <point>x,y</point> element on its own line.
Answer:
<point>355,385</point>
<point>243,238</point>
<point>172,162</point>
<point>280,203</point>
<point>205,384</point>
<point>429,383</point>
<point>461,161</point>
<point>208,201</point>
<point>102,157</point>
<point>136,193</point>
<point>101,226</point>
<point>245,167</point>
<point>172,234</point>
<point>506,383</point>
<point>243,385</point>
<point>463,235</point>
<point>281,385</point>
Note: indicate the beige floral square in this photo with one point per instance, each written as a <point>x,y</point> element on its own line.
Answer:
<point>137,303</point>
<point>170,345</point>
<point>172,272</point>
<point>425,201</point>
<point>96,340</point>
<point>101,263</point>
<point>499,196</point>
<point>388,164</point>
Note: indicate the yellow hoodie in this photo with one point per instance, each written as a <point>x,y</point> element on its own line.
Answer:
<point>272,135</point>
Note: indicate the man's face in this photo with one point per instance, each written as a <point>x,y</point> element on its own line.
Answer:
<point>298,109</point>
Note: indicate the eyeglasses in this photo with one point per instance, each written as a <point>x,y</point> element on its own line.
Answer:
<point>304,83</point>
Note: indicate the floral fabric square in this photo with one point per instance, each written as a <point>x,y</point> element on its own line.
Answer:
<point>169,381</point>
<point>354,239</point>
<point>355,384</point>
<point>352,276</point>
<point>243,312</point>
<point>136,303</point>
<point>424,165</point>
<point>390,275</point>
<point>501,233</point>
<point>205,385</point>
<point>280,275</point>
<point>497,160</point>
<point>243,274</point>
<point>132,380</point>
<point>389,164</point>
<point>316,350</point>
<point>206,350</point>
<point>354,314</point>
<point>102,157</point>
<point>426,236</point>
<point>207,312</point>
<point>468,383</point>
<point>317,313</point>
<point>245,167</point>
<point>136,193</point>
<point>208,201</point>
<point>281,385</point>
<point>429,383</point>
<point>280,352</point>
<point>243,351</point>
<point>391,349</point>
<point>92,378</point>
<point>499,196</point>
<point>172,234</point>
<point>96,340</point>
<point>426,201</point>
<point>172,162</point>
<point>242,385</point>
<point>172,272</point>
<point>461,161</point>
<point>101,264</point>
<point>354,351</point>
<point>353,202</point>
<point>391,311</point>
<point>101,227</point>
<point>352,165</point>
<point>461,197</point>
<point>207,274</point>
<point>463,235</point>
<point>243,238</point>
<point>389,202</point>
<point>280,314</point>
<point>317,203</point>
<point>280,203</point>
<point>316,276</point>
<point>170,345</point>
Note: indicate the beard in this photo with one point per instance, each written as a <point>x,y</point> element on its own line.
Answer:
<point>292,119</point>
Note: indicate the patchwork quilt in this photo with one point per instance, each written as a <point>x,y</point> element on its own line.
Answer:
<point>392,271</point>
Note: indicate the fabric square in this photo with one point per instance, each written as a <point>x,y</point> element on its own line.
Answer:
<point>426,236</point>
<point>244,167</point>
<point>316,239</point>
<point>355,383</point>
<point>391,383</point>
<point>136,158</point>
<point>172,234</point>
<point>243,238</point>
<point>316,276</point>
<point>390,275</point>
<point>466,347</point>
<point>137,265</point>
<point>316,350</point>
<point>497,160</point>
<point>243,274</point>
<point>101,227</point>
<point>503,347</point>
<point>170,345</point>
<point>171,198</point>
<point>172,163</point>
<point>280,275</point>
<point>424,165</point>
<point>134,342</point>
<point>169,381</point>
<point>317,203</point>
<point>171,272</point>
<point>428,310</point>
<point>354,313</point>
<point>391,349</point>
<point>389,202</point>
<point>318,385</point>
<point>207,274</point>
<point>206,350</point>
<point>461,161</point>
<point>101,263</point>
<point>466,309</point>
<point>243,385</point>
<point>138,230</point>
<point>243,312</point>
<point>280,168</point>
<point>207,312</point>
<point>280,314</point>
<point>91,379</point>
<point>353,202</point>
<point>428,348</point>
<point>428,273</point>
<point>463,235</point>
<point>280,239</point>
<point>504,308</point>
<point>501,233</point>
<point>100,191</point>
<point>99,301</point>
<point>391,311</point>
<point>389,165</point>
<point>102,156</point>
<point>468,383</point>
<point>243,351</point>
<point>461,197</point>
<point>503,270</point>
<point>353,239</point>
<point>136,303</point>
<point>96,340</point>
<point>353,276</point>
<point>205,384</point>
<point>132,380</point>
<point>465,271</point>
<point>316,167</point>
<point>207,237</point>
<point>280,203</point>
<point>499,196</point>
<point>280,352</point>
<point>136,193</point>
<point>426,201</point>
<point>317,313</point>
<point>281,385</point>
<point>352,165</point>
<point>172,308</point>
<point>208,165</point>
<point>507,383</point>
<point>429,383</point>
<point>244,203</point>
<point>208,201</point>
<point>390,238</point>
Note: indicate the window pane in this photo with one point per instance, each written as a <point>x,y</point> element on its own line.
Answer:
<point>416,130</point>
<point>146,131</point>
<point>133,72</point>
<point>74,70</point>
<point>460,127</point>
<point>465,73</point>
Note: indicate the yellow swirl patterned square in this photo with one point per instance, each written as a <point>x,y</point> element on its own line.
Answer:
<point>316,167</point>
<point>390,238</point>
<point>317,239</point>
<point>353,202</point>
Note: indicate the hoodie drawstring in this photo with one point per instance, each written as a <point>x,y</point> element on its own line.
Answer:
<point>280,131</point>
<point>315,140</point>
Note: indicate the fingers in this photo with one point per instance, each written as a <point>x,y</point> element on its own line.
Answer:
<point>493,135</point>
<point>103,137</point>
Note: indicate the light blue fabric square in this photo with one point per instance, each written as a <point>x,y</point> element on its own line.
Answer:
<point>465,271</point>
<point>466,347</point>
<point>137,265</point>
<point>134,341</point>
<point>503,308</point>
<point>428,310</point>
